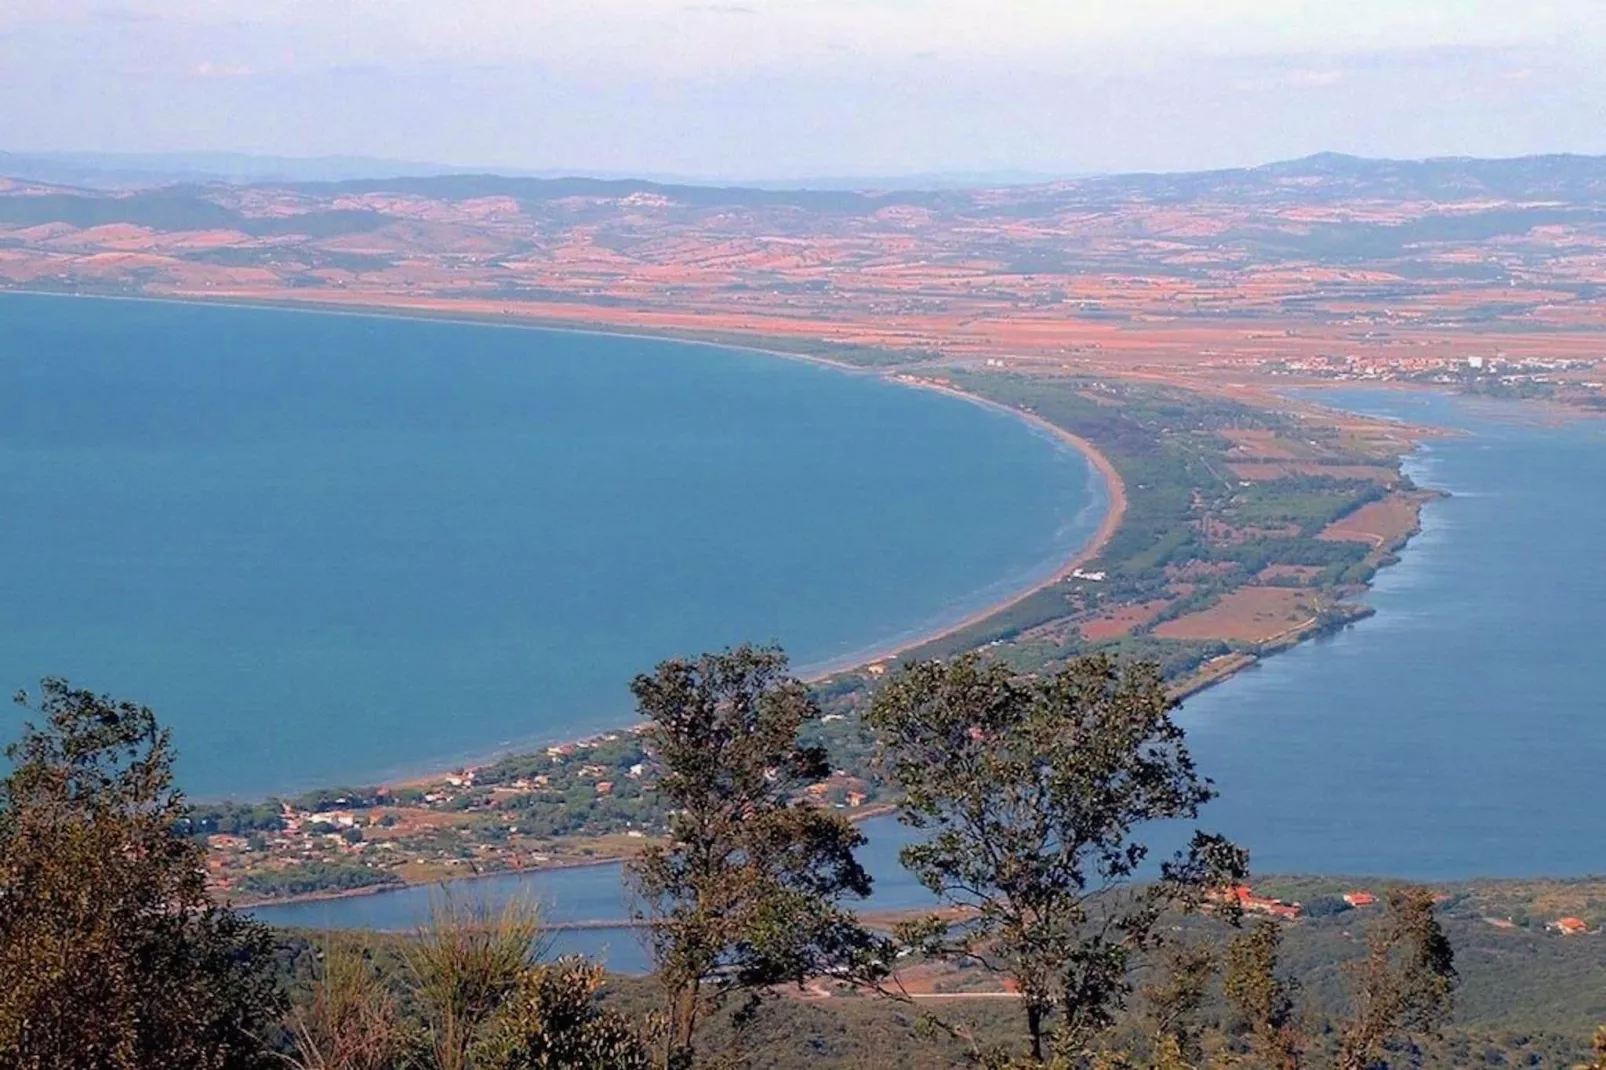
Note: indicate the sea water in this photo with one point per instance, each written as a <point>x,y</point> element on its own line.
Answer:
<point>1460,732</point>
<point>337,549</point>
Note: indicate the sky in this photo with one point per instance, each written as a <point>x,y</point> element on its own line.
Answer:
<point>778,89</point>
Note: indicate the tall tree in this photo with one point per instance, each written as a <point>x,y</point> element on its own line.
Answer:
<point>1031,794</point>
<point>112,952</point>
<point>1262,1000</point>
<point>1404,985</point>
<point>1173,1002</point>
<point>748,891</point>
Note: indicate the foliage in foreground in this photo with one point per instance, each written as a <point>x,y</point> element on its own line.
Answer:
<point>112,954</point>
<point>1032,794</point>
<point>747,892</point>
<point>471,994</point>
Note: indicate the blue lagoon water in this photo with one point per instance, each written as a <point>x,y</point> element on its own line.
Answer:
<point>592,895</point>
<point>1460,732</point>
<point>336,548</point>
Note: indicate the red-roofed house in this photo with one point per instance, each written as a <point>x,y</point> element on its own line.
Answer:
<point>1251,903</point>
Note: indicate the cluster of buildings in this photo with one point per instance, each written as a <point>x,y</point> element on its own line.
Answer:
<point>1569,926</point>
<point>1250,903</point>
<point>1439,369</point>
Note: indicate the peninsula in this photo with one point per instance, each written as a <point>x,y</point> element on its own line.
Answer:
<point>1155,322</point>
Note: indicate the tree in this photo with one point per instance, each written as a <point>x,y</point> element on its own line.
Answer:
<point>552,1020</point>
<point>1174,1001</point>
<point>463,968</point>
<point>1405,983</point>
<point>112,952</point>
<point>747,893</point>
<point>472,994</point>
<point>1031,792</point>
<point>1262,1000</point>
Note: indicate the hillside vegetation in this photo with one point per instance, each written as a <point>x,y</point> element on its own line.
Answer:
<point>1059,942</point>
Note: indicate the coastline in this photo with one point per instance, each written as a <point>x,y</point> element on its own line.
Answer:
<point>1114,515</point>
<point>1115,510</point>
<point>1115,488</point>
<point>863,814</point>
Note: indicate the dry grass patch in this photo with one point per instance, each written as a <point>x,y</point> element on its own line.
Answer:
<point>1120,621</point>
<point>1303,574</point>
<point>1249,614</point>
<point>1383,523</point>
<point>1266,472</point>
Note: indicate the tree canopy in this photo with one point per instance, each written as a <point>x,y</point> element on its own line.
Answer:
<point>1032,794</point>
<point>747,892</point>
<point>113,955</point>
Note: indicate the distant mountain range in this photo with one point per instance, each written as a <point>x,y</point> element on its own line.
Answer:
<point>133,170</point>
<point>1324,177</point>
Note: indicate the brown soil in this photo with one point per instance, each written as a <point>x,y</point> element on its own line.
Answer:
<point>1249,614</point>
<point>1383,524</point>
<point>1120,621</point>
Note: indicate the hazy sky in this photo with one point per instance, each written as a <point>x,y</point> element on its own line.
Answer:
<point>787,88</point>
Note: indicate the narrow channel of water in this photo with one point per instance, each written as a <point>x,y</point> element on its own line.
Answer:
<point>1458,733</point>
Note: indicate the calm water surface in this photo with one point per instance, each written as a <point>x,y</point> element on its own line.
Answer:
<point>335,548</point>
<point>1460,732</point>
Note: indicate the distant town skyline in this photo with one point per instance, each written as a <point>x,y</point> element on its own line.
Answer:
<point>771,90</point>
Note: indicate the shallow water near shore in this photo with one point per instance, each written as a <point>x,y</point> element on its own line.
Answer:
<point>1461,731</point>
<point>1458,733</point>
<point>339,549</point>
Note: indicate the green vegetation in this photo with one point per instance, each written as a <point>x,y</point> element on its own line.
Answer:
<point>470,992</point>
<point>311,878</point>
<point>1169,447</point>
<point>746,894</point>
<point>1030,793</point>
<point>1034,794</point>
<point>112,954</point>
<point>235,819</point>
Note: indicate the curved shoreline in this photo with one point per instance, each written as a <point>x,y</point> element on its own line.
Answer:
<point>1115,487</point>
<point>1114,514</point>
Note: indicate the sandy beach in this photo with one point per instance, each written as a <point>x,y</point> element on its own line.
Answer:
<point>488,314</point>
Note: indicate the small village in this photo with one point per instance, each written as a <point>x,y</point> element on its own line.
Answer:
<point>1491,374</point>
<point>572,803</point>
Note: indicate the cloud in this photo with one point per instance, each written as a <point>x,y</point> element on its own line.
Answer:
<point>806,86</point>
<point>1310,79</point>
<point>124,16</point>
<point>209,69</point>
